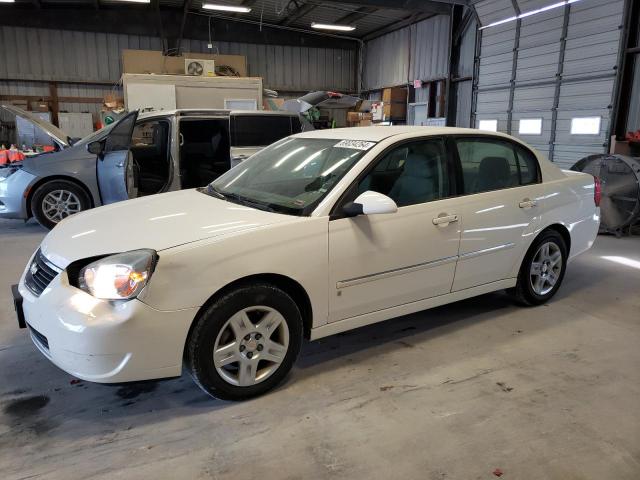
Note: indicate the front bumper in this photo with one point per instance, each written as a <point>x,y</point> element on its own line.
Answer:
<point>102,341</point>
<point>13,190</point>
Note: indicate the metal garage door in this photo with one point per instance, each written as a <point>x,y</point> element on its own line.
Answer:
<point>549,69</point>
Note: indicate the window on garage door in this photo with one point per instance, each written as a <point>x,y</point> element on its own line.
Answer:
<point>488,164</point>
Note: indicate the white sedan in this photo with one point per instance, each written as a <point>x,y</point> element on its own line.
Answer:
<point>319,233</point>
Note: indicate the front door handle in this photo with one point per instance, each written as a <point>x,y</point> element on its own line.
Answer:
<point>443,219</point>
<point>527,203</point>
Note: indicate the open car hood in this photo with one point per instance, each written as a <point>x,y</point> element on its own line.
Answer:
<point>58,136</point>
<point>320,98</point>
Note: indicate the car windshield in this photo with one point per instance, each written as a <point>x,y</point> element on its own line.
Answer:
<point>290,176</point>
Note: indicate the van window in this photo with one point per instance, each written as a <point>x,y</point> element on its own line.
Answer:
<point>259,130</point>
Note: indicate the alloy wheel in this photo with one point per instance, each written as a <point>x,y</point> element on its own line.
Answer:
<point>251,346</point>
<point>59,204</point>
<point>545,268</point>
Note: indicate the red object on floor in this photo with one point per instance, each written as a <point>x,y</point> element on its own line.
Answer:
<point>498,473</point>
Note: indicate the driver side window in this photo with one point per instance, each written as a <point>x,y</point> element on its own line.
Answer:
<point>410,174</point>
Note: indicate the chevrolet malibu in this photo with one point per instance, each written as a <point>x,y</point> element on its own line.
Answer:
<point>319,233</point>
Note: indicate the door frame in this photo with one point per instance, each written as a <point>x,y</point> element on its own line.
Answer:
<point>454,187</point>
<point>101,156</point>
<point>451,138</point>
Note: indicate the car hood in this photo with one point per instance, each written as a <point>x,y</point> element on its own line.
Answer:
<point>59,136</point>
<point>158,222</point>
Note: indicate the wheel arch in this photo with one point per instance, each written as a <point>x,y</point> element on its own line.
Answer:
<point>52,178</point>
<point>562,230</point>
<point>285,283</point>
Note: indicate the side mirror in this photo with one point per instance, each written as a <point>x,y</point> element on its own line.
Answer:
<point>370,203</point>
<point>95,147</point>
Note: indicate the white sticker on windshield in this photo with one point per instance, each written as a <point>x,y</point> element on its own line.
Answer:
<point>355,144</point>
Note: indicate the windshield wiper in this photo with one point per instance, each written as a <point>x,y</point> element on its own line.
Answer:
<point>249,203</point>
<point>238,199</point>
<point>211,190</point>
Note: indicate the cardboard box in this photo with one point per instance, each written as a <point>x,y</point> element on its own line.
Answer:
<point>395,111</point>
<point>39,106</point>
<point>395,103</point>
<point>394,95</point>
<point>152,61</point>
<point>353,117</point>
<point>620,147</point>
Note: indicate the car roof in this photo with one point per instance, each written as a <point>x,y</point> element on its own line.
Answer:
<point>212,111</point>
<point>378,133</point>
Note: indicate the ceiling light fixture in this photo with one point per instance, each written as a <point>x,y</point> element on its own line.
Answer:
<point>7,1</point>
<point>226,8</point>
<point>329,26</point>
<point>530,13</point>
<point>133,1</point>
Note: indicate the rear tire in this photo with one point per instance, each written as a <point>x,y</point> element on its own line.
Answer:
<point>245,343</point>
<point>55,200</point>
<point>542,269</point>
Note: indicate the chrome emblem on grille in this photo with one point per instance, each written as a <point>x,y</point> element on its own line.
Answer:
<point>34,268</point>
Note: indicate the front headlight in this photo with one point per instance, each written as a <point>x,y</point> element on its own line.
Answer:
<point>118,277</point>
<point>6,172</point>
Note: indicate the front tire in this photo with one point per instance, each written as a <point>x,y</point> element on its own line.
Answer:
<point>245,343</point>
<point>55,200</point>
<point>542,269</point>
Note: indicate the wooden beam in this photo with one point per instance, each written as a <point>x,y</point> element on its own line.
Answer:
<point>53,94</point>
<point>40,98</point>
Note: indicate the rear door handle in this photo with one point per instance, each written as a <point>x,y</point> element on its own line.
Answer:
<point>527,203</point>
<point>444,219</point>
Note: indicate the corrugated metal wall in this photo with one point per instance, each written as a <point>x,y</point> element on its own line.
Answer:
<point>555,65</point>
<point>86,57</point>
<point>417,52</point>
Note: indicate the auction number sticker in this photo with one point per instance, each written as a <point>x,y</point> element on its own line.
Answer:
<point>355,144</point>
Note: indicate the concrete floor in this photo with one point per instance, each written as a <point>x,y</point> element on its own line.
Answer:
<point>453,393</point>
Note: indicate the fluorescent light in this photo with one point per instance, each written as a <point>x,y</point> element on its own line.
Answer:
<point>530,13</point>
<point>130,1</point>
<point>226,8</point>
<point>489,125</point>
<point>530,126</point>
<point>7,1</point>
<point>585,126</point>
<point>329,26</point>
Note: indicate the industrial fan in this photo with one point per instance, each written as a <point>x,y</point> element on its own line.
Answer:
<point>620,179</point>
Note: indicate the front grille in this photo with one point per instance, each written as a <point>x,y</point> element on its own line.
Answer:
<point>39,338</point>
<point>40,274</point>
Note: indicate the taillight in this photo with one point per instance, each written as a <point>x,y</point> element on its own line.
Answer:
<point>597,191</point>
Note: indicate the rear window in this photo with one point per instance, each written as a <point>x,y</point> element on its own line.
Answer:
<point>259,130</point>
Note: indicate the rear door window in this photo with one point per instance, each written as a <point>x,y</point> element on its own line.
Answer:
<point>528,163</point>
<point>487,164</point>
<point>259,130</point>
